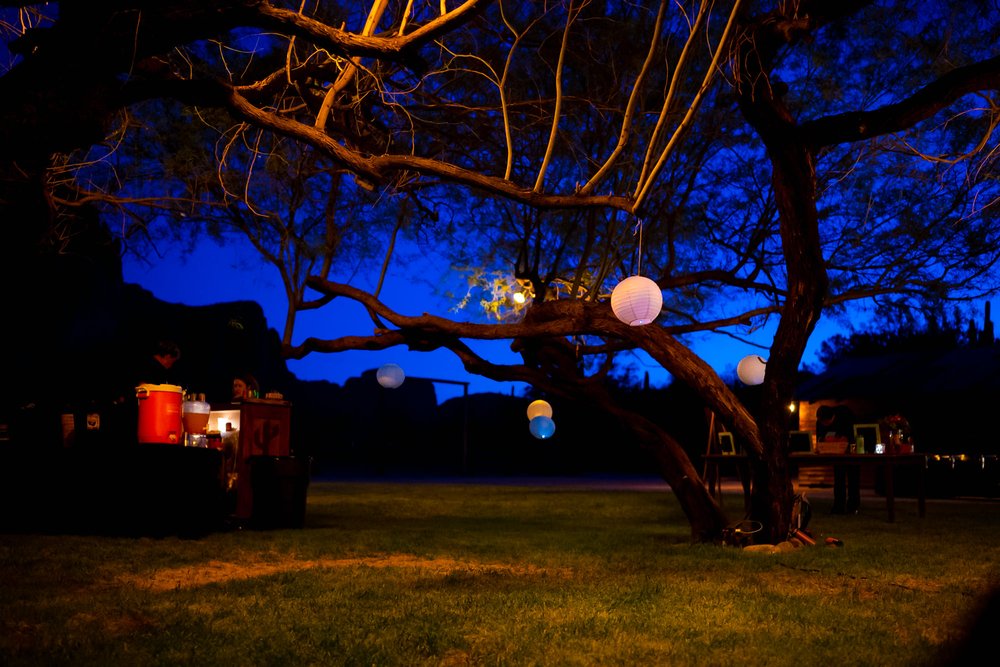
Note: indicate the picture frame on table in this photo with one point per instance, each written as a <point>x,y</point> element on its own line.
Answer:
<point>727,444</point>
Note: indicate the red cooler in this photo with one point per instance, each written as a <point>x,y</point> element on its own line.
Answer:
<point>160,413</point>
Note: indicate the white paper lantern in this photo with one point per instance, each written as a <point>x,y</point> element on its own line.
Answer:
<point>539,408</point>
<point>751,369</point>
<point>390,376</point>
<point>636,300</point>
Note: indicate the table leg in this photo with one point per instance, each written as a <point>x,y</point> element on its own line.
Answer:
<point>747,487</point>
<point>921,496</point>
<point>890,495</point>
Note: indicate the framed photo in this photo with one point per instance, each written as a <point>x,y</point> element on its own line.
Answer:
<point>727,445</point>
<point>868,436</point>
<point>800,441</point>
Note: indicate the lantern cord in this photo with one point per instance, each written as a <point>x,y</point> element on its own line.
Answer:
<point>638,230</point>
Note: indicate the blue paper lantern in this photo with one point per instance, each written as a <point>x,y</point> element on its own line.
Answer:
<point>542,427</point>
<point>390,376</point>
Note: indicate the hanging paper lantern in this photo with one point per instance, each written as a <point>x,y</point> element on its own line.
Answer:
<point>542,427</point>
<point>750,370</point>
<point>636,300</point>
<point>539,408</point>
<point>390,376</point>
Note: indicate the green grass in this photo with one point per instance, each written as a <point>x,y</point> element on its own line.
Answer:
<point>442,574</point>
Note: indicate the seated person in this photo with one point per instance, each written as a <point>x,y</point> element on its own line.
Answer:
<point>245,386</point>
<point>838,423</point>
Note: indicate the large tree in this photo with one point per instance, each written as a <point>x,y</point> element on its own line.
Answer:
<point>780,159</point>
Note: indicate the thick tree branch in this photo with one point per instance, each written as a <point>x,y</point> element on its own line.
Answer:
<point>379,167</point>
<point>902,115</point>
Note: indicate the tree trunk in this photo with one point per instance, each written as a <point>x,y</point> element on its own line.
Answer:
<point>794,181</point>
<point>706,518</point>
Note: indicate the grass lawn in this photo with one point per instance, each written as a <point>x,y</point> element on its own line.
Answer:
<point>455,574</point>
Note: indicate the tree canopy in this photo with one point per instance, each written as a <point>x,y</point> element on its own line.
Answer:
<point>755,159</point>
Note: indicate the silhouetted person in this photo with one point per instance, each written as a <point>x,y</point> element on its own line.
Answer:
<point>160,366</point>
<point>838,422</point>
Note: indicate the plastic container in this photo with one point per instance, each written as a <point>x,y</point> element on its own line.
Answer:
<point>160,413</point>
<point>194,415</point>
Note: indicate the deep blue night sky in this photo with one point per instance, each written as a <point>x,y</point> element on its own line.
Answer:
<point>214,274</point>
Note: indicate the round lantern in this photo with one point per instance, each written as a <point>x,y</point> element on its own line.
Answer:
<point>750,370</point>
<point>539,408</point>
<point>390,376</point>
<point>636,300</point>
<point>542,427</point>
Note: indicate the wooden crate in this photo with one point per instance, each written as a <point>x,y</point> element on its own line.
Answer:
<point>832,446</point>
<point>264,430</point>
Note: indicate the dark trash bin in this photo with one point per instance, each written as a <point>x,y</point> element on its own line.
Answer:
<point>278,485</point>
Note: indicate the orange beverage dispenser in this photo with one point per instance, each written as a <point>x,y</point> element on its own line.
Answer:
<point>160,413</point>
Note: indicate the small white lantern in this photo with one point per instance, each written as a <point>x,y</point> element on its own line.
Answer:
<point>751,369</point>
<point>636,300</point>
<point>390,376</point>
<point>539,408</point>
